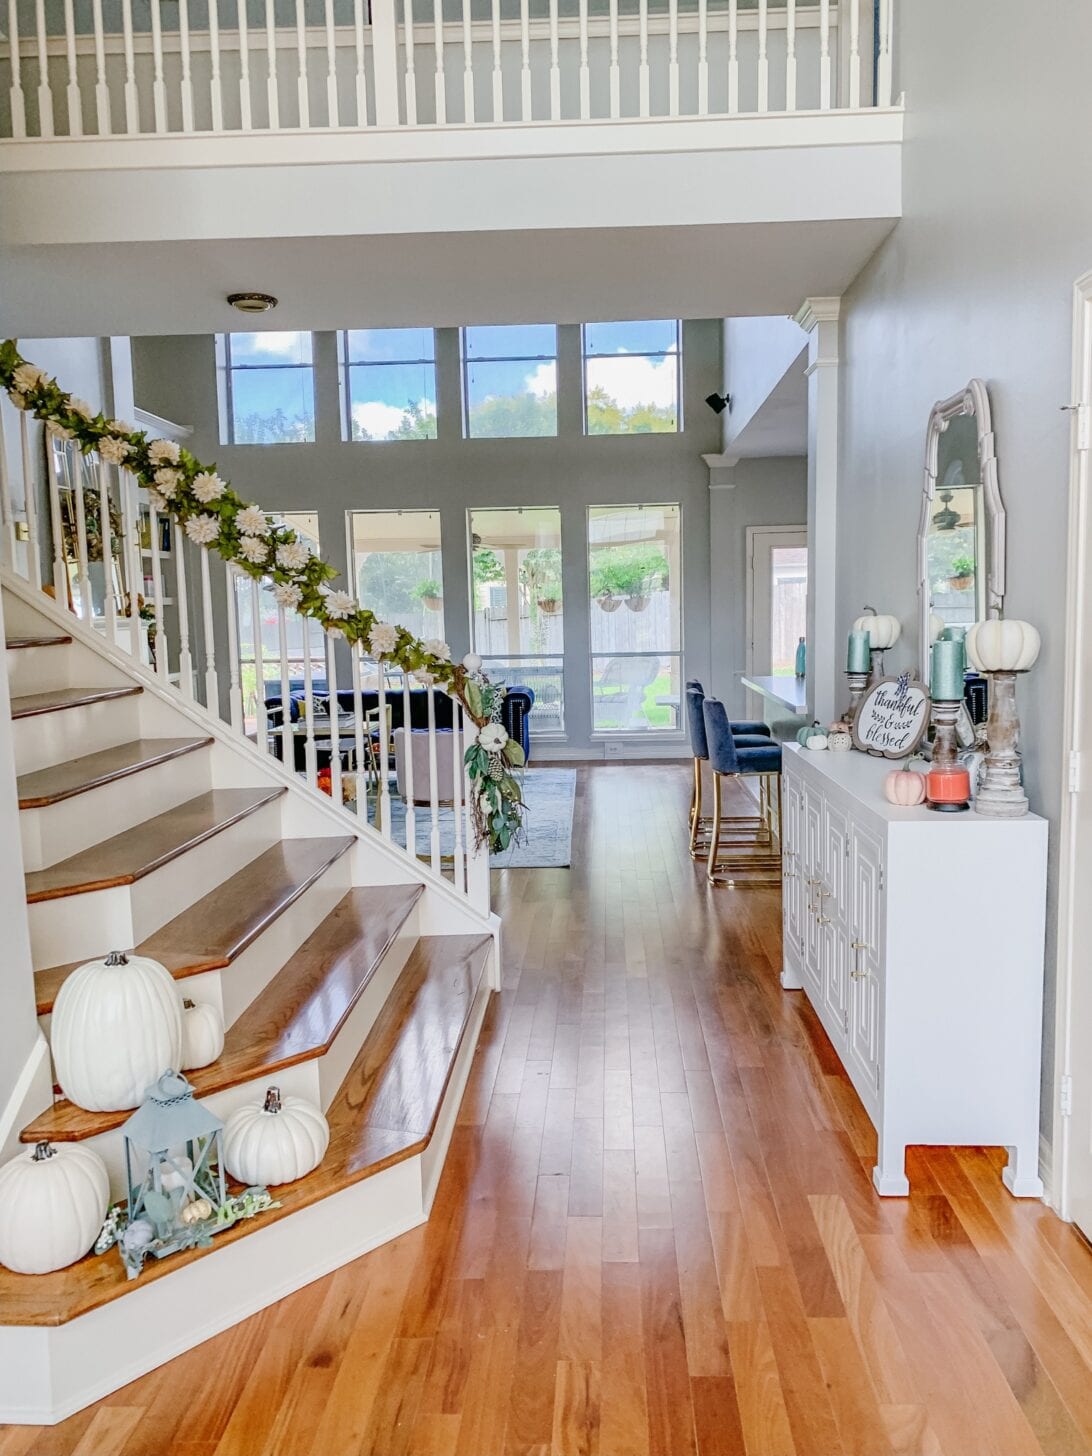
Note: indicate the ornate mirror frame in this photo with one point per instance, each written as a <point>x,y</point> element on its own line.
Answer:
<point>974,400</point>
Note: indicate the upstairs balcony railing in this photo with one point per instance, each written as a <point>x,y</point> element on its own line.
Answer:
<point>101,68</point>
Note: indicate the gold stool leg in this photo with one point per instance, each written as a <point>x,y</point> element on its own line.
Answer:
<point>695,811</point>
<point>714,837</point>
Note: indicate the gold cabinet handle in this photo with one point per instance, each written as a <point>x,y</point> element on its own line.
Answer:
<point>856,946</point>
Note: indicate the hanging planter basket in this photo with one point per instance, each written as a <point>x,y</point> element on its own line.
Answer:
<point>433,604</point>
<point>607,602</point>
<point>636,602</point>
<point>550,605</point>
<point>961,583</point>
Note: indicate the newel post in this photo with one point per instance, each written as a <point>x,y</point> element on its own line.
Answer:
<point>385,61</point>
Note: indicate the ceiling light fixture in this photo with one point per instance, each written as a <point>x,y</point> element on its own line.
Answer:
<point>252,302</point>
<point>718,403</point>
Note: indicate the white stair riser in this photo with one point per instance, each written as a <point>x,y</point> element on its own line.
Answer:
<point>37,669</point>
<point>76,926</point>
<point>50,738</point>
<point>53,833</point>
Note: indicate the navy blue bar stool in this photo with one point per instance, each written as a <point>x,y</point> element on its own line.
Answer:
<point>746,734</point>
<point>758,853</point>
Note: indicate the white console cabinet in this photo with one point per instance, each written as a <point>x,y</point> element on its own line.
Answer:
<point>918,938</point>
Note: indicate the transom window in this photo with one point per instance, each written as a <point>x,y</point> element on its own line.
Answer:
<point>509,380</point>
<point>269,388</point>
<point>388,384</point>
<point>632,377</point>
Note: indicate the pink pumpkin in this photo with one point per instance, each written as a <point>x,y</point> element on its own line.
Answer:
<point>904,787</point>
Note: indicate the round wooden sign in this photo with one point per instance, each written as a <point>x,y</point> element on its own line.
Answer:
<point>892,717</point>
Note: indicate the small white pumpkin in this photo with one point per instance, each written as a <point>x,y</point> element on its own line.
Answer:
<point>276,1141</point>
<point>196,1211</point>
<point>1002,646</point>
<point>840,742</point>
<point>817,741</point>
<point>936,627</point>
<point>904,787</point>
<point>883,632</point>
<point>52,1204</point>
<point>117,1026</point>
<point>202,1034</point>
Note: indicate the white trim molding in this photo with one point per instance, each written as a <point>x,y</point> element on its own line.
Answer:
<point>720,470</point>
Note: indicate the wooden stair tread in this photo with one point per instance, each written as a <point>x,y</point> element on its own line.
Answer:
<point>211,933</point>
<point>66,780</point>
<point>57,699</point>
<point>295,1018</point>
<point>13,644</point>
<point>136,852</point>
<point>391,1081</point>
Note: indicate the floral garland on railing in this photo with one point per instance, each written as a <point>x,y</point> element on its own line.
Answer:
<point>213,515</point>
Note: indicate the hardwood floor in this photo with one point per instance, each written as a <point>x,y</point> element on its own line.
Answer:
<point>656,1233</point>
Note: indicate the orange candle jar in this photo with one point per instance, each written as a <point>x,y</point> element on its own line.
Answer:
<point>948,788</point>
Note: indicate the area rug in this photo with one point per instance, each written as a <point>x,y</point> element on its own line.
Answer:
<point>549,797</point>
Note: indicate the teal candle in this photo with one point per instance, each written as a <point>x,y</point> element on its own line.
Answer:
<point>946,678</point>
<point>953,634</point>
<point>859,657</point>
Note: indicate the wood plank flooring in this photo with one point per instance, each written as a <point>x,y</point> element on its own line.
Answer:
<point>656,1234</point>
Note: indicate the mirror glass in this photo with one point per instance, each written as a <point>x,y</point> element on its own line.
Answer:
<point>955,545</point>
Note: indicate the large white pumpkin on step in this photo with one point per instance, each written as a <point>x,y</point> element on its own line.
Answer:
<point>52,1204</point>
<point>276,1141</point>
<point>202,1034</point>
<point>116,1028</point>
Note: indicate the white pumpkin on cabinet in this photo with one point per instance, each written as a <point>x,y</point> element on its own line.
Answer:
<point>276,1141</point>
<point>52,1204</point>
<point>202,1034</point>
<point>116,1028</point>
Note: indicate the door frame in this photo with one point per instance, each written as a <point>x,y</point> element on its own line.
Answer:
<point>753,537</point>
<point>1077,708</point>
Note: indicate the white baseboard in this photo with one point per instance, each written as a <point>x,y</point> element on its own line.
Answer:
<point>634,748</point>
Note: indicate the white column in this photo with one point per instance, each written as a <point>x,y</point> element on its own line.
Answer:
<point>819,318</point>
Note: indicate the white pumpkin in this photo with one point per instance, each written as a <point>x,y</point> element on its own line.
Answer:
<point>936,627</point>
<point>904,787</point>
<point>274,1142</point>
<point>1002,646</point>
<point>839,742</point>
<point>883,632</point>
<point>116,1028</point>
<point>202,1034</point>
<point>817,741</point>
<point>52,1204</point>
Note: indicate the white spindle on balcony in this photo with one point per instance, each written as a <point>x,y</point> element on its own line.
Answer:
<point>361,75</point>
<point>883,58</point>
<point>733,56</point>
<point>216,90</point>
<point>703,58</point>
<point>333,108</point>
<point>498,79</point>
<point>468,62</point>
<point>410,76</point>
<point>132,99</point>
<point>615,73</point>
<point>643,81</point>
<point>72,92</point>
<point>790,55</point>
<point>585,74</point>
<point>159,84</point>
<point>16,99</point>
<point>555,66</point>
<point>824,54</point>
<point>186,82</point>
<point>439,79</point>
<point>102,89</point>
<point>45,94</point>
<point>854,53</point>
<point>242,21</point>
<point>525,59</point>
<point>673,57</point>
<point>763,56</point>
<point>303,100</point>
<point>272,89</point>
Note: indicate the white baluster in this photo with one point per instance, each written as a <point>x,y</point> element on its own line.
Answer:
<point>459,861</point>
<point>30,505</point>
<point>673,57</point>
<point>262,724</point>
<point>186,84</point>
<point>790,55</point>
<point>162,656</point>
<point>134,566</point>
<point>383,809</point>
<point>335,720</point>
<point>74,99</point>
<point>181,597</point>
<point>433,781</point>
<point>17,99</point>
<point>407,769</point>
<point>468,62</point>
<point>642,69</point>
<point>555,67</point>
<point>824,54</point>
<point>359,754</point>
<point>303,99</point>
<point>132,102</point>
<point>288,753</point>
<point>246,122</point>
<point>477,858</point>
<point>763,56</point>
<point>703,58</point>
<point>45,95</point>
<point>498,80</point>
<point>411,73</point>
<point>525,59</point>
<point>310,752</point>
<point>60,570</point>
<point>159,85</point>
<point>439,81</point>
<point>83,575</point>
<point>585,75</point>
<point>733,55</point>
<point>883,60</point>
<point>361,73</point>
<point>7,504</point>
<point>272,93</point>
<point>854,53</point>
<point>333,111</point>
<point>109,606</point>
<point>384,30</point>
<point>615,74</point>
<point>212,680</point>
<point>102,89</point>
<point>468,731</point>
<point>236,709</point>
<point>216,90</point>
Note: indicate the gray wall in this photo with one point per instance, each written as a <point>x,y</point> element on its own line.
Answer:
<point>976,280</point>
<point>176,377</point>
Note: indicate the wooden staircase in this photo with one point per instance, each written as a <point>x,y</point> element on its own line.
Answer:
<point>144,825</point>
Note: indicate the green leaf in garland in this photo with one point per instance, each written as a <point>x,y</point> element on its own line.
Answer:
<point>514,753</point>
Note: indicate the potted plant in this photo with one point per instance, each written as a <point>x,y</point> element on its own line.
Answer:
<point>430,593</point>
<point>608,602</point>
<point>962,573</point>
<point>540,575</point>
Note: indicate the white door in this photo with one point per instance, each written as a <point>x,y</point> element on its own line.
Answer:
<point>865,930</point>
<point>777,598</point>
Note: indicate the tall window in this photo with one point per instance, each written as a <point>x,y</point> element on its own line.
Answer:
<point>388,384</point>
<point>518,610</point>
<point>635,571</point>
<point>269,388</point>
<point>397,569</point>
<point>632,377</point>
<point>510,380</point>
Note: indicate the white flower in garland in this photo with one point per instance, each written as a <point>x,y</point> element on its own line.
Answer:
<point>58,431</point>
<point>335,634</point>
<point>20,401</point>
<point>426,679</point>
<point>27,378</point>
<point>287,595</point>
<point>202,530</point>
<point>166,481</point>
<point>164,452</point>
<point>156,501</point>
<point>208,487</point>
<point>437,647</point>
<point>120,427</point>
<point>472,662</point>
<point>113,450</point>
<point>251,521</point>
<point>80,407</point>
<point>254,550</point>
<point>383,638</point>
<point>293,555</point>
<point>338,604</point>
<point>492,737</point>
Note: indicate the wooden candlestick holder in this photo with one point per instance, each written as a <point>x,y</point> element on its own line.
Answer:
<point>948,784</point>
<point>1000,793</point>
<point>858,682</point>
